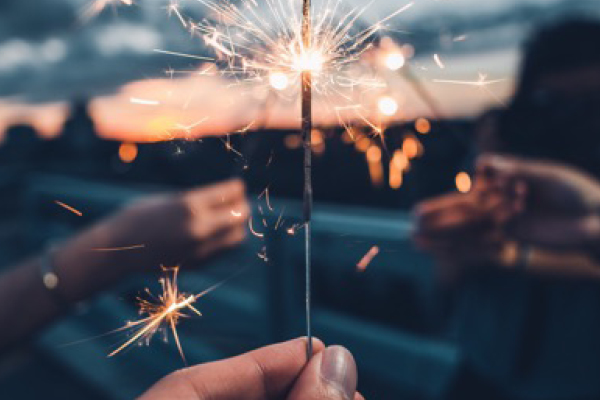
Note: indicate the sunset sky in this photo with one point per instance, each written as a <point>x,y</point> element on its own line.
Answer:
<point>50,55</point>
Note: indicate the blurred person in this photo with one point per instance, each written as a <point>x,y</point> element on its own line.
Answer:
<point>527,336</point>
<point>178,228</point>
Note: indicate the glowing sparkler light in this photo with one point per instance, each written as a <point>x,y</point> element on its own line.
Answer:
<point>121,248</point>
<point>311,60</point>
<point>481,83</point>
<point>463,182</point>
<point>387,106</point>
<point>261,42</point>
<point>162,312</point>
<point>278,80</point>
<point>394,61</point>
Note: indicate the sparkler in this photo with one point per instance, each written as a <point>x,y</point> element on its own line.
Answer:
<point>163,312</point>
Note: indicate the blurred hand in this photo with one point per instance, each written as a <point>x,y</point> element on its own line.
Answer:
<point>544,204</point>
<point>191,226</point>
<point>461,230</point>
<point>274,372</point>
<point>554,205</point>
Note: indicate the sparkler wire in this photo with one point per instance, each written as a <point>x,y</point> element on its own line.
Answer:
<point>306,129</point>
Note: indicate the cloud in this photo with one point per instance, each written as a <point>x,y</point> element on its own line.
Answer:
<point>127,38</point>
<point>46,53</point>
<point>19,53</point>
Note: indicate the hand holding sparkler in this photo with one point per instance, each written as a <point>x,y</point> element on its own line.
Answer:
<point>521,213</point>
<point>274,372</point>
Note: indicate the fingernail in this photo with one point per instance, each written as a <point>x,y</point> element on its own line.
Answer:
<point>338,370</point>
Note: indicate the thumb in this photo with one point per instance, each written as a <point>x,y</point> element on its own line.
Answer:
<point>330,375</point>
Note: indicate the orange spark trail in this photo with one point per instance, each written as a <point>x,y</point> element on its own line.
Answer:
<point>163,312</point>
<point>367,258</point>
<point>68,207</point>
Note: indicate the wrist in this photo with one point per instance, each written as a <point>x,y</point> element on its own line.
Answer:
<point>82,270</point>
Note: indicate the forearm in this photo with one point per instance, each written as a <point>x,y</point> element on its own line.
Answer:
<point>28,305</point>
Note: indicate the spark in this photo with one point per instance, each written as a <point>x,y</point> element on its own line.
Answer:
<point>263,255</point>
<point>438,61</point>
<point>480,82</point>
<point>145,102</point>
<point>188,129</point>
<point>367,258</point>
<point>278,80</point>
<point>162,313</point>
<point>70,208</point>
<point>254,232</point>
<point>123,248</point>
<point>173,8</point>
<point>174,53</point>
